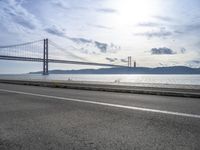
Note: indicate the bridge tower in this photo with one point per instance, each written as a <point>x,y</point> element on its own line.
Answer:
<point>129,61</point>
<point>45,58</point>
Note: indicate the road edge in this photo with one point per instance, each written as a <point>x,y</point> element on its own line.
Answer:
<point>108,88</point>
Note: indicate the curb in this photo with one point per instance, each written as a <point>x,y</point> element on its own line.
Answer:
<point>110,88</point>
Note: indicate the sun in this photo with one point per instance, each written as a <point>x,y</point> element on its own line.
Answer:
<point>131,12</point>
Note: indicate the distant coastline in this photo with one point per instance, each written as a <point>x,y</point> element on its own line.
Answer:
<point>137,70</point>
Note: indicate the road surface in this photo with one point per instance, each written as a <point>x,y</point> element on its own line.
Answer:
<point>42,118</point>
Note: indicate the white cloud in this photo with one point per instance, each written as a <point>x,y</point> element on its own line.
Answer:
<point>102,23</point>
<point>13,14</point>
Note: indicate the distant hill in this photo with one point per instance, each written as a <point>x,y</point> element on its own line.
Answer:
<point>137,70</point>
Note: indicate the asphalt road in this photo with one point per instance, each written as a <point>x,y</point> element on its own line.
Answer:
<point>41,118</point>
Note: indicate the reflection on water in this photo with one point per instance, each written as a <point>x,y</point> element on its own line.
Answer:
<point>144,79</point>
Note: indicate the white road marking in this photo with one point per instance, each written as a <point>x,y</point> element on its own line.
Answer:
<point>107,104</point>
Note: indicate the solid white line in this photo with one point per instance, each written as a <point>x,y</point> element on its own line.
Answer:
<point>107,104</point>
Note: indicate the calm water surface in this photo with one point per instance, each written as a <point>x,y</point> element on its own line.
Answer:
<point>144,79</point>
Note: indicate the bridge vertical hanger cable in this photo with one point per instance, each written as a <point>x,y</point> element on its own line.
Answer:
<point>20,50</point>
<point>63,50</point>
<point>32,51</point>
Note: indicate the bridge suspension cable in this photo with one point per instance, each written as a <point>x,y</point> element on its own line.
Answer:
<point>39,51</point>
<point>64,51</point>
<point>22,44</point>
<point>32,49</point>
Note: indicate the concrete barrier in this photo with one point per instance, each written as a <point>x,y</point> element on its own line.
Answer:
<point>192,93</point>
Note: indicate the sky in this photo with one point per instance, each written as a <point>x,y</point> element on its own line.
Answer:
<point>154,32</point>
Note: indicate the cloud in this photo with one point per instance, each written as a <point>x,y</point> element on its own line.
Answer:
<point>183,50</point>
<point>55,31</point>
<point>60,4</point>
<point>195,61</point>
<point>103,47</point>
<point>187,28</point>
<point>66,5</point>
<point>148,24</point>
<point>106,10</point>
<point>60,32</point>
<point>13,14</point>
<point>164,18</point>
<point>178,32</point>
<point>124,60</point>
<point>24,22</point>
<point>197,44</point>
<point>163,65</point>
<point>192,27</point>
<point>169,23</point>
<point>80,40</point>
<point>162,33</point>
<point>111,59</point>
<point>162,51</point>
<point>101,26</point>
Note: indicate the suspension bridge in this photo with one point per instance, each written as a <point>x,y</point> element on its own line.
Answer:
<point>40,51</point>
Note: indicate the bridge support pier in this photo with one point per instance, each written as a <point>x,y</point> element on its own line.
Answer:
<point>45,58</point>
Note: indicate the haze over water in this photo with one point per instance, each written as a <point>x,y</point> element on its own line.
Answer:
<point>110,78</point>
